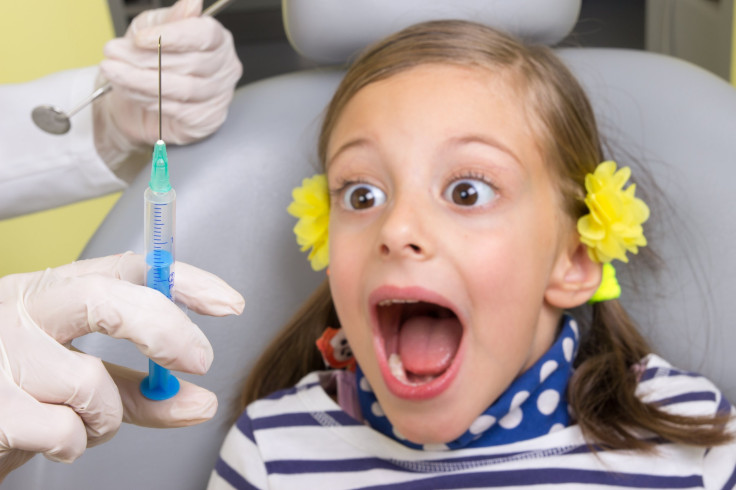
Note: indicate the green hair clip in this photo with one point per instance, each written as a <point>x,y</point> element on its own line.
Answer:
<point>609,287</point>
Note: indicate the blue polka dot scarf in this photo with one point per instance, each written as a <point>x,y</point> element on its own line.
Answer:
<point>534,405</point>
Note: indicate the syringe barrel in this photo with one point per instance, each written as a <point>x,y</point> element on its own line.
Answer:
<point>160,223</point>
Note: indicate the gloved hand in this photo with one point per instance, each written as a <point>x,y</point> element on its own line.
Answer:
<point>57,400</point>
<point>199,71</point>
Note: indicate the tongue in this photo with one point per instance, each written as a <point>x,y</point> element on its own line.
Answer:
<point>427,344</point>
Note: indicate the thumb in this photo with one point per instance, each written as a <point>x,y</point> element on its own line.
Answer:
<point>182,10</point>
<point>190,406</point>
<point>152,18</point>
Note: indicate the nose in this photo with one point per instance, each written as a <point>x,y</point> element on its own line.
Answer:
<point>403,232</point>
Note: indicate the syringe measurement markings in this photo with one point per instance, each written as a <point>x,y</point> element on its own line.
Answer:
<point>160,242</point>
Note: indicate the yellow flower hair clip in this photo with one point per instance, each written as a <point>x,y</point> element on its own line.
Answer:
<point>312,206</point>
<point>614,225</point>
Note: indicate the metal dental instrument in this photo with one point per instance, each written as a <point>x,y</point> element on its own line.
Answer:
<point>55,121</point>
<point>160,222</point>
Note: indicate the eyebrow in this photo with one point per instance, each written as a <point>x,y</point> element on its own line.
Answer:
<point>452,142</point>
<point>354,143</point>
<point>483,140</point>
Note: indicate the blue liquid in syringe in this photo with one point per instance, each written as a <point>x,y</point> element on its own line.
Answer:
<point>159,276</point>
<point>159,384</point>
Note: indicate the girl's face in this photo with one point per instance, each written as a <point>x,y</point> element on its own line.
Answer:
<point>448,246</point>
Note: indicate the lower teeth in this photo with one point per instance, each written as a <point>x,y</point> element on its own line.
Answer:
<point>398,371</point>
<point>397,368</point>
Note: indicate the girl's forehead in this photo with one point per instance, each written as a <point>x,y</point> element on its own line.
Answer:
<point>500,77</point>
<point>446,87</point>
<point>451,96</point>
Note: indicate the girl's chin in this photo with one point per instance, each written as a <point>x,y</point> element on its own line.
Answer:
<point>427,430</point>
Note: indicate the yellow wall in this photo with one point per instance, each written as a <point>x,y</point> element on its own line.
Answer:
<point>38,37</point>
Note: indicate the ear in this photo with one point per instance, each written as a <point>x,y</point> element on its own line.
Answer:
<point>574,279</point>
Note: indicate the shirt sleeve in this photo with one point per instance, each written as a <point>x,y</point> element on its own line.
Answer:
<point>690,394</point>
<point>719,464</point>
<point>240,465</point>
<point>40,170</point>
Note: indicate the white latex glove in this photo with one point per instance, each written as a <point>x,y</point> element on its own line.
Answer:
<point>58,401</point>
<point>200,69</point>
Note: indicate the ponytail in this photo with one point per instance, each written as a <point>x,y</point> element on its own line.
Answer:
<point>292,354</point>
<point>602,390</point>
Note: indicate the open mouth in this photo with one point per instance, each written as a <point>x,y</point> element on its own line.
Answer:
<point>420,340</point>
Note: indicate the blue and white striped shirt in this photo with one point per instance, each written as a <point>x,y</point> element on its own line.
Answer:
<point>300,438</point>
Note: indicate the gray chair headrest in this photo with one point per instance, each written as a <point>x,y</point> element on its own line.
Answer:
<point>331,31</point>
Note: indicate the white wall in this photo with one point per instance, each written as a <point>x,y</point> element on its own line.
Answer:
<point>694,30</point>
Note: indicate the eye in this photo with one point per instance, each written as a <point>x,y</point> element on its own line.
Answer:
<point>363,196</point>
<point>469,192</point>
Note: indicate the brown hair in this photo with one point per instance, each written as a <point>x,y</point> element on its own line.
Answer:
<point>601,391</point>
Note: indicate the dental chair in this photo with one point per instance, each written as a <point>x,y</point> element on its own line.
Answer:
<point>675,119</point>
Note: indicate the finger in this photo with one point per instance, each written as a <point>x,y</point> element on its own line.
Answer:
<point>126,266</point>
<point>205,293</point>
<point>194,120</point>
<point>183,9</point>
<point>180,10</point>
<point>191,405</point>
<point>184,36</point>
<point>184,88</point>
<point>75,306</point>
<point>201,291</point>
<point>183,122</point>
<point>194,63</point>
<point>28,425</point>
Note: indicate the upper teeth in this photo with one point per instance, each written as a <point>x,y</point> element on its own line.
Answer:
<point>389,302</point>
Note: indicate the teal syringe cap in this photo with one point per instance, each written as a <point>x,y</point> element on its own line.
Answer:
<point>160,169</point>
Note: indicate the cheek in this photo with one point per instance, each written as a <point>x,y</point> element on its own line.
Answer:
<point>505,279</point>
<point>345,274</point>
<point>347,238</point>
<point>344,262</point>
<point>354,322</point>
<point>344,297</point>
<point>499,267</point>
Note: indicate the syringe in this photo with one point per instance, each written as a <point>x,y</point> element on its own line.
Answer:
<point>160,222</point>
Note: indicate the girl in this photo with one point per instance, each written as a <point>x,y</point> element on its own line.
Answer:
<point>469,212</point>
